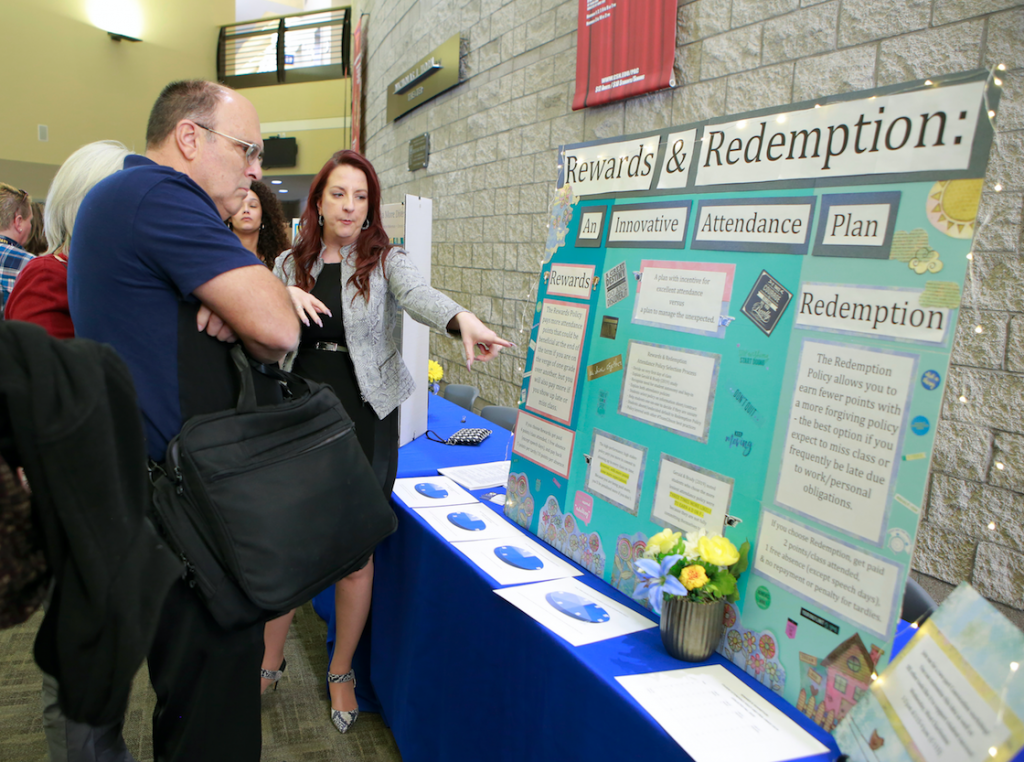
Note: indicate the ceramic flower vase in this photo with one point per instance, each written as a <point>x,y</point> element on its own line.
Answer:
<point>691,630</point>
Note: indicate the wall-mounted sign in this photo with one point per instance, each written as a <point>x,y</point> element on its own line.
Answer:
<point>431,76</point>
<point>419,152</point>
<point>624,48</point>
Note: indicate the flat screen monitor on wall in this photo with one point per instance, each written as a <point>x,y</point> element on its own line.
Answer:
<point>280,152</point>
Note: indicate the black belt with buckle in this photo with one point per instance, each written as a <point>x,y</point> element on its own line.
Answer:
<point>330,346</point>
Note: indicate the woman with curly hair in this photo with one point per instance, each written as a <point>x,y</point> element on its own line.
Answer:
<point>260,224</point>
<point>36,243</point>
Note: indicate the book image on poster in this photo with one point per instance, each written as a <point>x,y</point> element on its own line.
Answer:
<point>846,425</point>
<point>689,498</point>
<point>669,387</point>
<point>615,286</point>
<point>615,471</point>
<point>766,303</point>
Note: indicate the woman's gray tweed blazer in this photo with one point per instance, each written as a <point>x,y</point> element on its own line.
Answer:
<point>384,381</point>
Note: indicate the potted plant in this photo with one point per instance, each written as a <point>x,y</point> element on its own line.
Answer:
<point>687,580</point>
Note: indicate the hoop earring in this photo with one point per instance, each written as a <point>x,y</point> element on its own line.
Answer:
<point>366,223</point>
<point>320,219</point>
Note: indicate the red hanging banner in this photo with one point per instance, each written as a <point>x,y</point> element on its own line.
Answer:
<point>357,87</point>
<point>624,48</point>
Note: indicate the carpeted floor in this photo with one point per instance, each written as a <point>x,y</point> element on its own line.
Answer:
<point>296,717</point>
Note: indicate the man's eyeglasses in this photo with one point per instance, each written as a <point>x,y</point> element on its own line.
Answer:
<point>252,151</point>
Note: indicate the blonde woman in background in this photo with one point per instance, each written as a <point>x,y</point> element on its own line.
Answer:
<point>40,294</point>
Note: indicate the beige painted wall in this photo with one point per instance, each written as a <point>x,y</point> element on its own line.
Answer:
<point>86,87</point>
<point>309,112</point>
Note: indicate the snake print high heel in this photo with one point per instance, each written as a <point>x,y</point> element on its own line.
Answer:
<point>343,720</point>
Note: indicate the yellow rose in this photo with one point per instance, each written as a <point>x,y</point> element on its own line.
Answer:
<point>663,541</point>
<point>693,577</point>
<point>718,551</point>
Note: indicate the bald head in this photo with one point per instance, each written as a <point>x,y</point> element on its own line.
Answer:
<point>194,99</point>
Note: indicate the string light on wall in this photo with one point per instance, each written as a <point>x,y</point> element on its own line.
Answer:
<point>982,221</point>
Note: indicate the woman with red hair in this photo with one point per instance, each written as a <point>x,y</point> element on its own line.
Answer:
<point>347,282</point>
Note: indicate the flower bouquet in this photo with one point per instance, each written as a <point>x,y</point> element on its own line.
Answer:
<point>434,374</point>
<point>687,581</point>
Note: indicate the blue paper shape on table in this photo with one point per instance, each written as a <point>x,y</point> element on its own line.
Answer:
<point>577,607</point>
<point>431,490</point>
<point>467,521</point>
<point>518,557</point>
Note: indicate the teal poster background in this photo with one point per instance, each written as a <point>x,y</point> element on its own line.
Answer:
<point>798,410</point>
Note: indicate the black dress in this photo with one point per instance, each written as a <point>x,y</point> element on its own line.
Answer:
<point>379,438</point>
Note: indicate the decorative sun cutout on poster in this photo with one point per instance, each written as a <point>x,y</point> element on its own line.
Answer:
<point>953,206</point>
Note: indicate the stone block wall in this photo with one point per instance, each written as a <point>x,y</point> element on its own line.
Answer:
<point>494,140</point>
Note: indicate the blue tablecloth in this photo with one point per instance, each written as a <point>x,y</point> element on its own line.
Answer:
<point>460,674</point>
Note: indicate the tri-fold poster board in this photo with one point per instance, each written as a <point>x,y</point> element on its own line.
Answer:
<point>745,326</point>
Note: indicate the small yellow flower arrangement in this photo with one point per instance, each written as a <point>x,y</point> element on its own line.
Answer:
<point>703,567</point>
<point>434,374</point>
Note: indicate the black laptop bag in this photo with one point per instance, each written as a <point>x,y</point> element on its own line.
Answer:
<point>268,505</point>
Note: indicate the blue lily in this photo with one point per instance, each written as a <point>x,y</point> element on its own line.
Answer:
<point>655,580</point>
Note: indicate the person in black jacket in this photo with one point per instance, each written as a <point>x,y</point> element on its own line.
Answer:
<point>71,411</point>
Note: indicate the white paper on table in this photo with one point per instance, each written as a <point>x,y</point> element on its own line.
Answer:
<point>483,554</point>
<point>430,492</point>
<point>533,600</point>
<point>716,717</point>
<point>438,518</point>
<point>479,475</point>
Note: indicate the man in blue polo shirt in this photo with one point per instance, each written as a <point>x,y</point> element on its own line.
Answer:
<point>152,266</point>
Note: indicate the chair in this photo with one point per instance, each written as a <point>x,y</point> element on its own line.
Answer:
<point>917,604</point>
<point>501,415</point>
<point>463,395</point>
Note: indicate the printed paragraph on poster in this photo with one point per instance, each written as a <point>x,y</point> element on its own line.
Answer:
<point>616,470</point>
<point>670,388</point>
<point>690,498</point>
<point>945,716</point>
<point>846,423</point>
<point>556,361</point>
<point>544,443</point>
<point>855,585</point>
<point>683,296</point>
